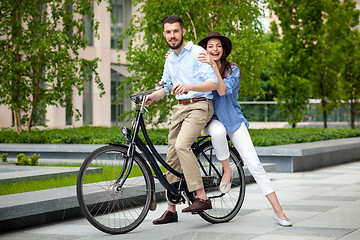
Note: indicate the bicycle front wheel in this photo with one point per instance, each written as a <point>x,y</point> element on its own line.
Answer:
<point>224,206</point>
<point>107,207</point>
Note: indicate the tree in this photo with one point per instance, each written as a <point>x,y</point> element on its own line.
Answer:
<point>351,59</point>
<point>39,55</point>
<point>236,19</point>
<point>313,34</point>
<point>331,53</point>
<point>299,24</point>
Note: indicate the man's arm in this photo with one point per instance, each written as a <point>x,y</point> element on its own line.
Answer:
<point>149,100</point>
<point>206,86</point>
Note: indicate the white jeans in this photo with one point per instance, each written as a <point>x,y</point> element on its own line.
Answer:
<point>243,144</point>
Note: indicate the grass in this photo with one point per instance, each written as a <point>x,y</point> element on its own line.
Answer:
<point>36,185</point>
<point>57,182</point>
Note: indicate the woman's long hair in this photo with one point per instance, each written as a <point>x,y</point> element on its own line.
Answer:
<point>225,65</point>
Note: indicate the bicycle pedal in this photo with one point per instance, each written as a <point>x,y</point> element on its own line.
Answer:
<point>196,212</point>
<point>154,175</point>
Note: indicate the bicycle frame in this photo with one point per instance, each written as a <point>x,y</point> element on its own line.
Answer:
<point>151,154</point>
<point>149,151</point>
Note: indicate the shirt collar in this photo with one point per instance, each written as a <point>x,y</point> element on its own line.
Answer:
<point>189,46</point>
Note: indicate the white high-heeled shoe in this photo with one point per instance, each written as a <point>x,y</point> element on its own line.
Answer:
<point>225,187</point>
<point>285,222</point>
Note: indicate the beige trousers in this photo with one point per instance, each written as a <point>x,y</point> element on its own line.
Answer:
<point>187,123</point>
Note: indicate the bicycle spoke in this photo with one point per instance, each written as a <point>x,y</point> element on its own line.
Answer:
<point>108,208</point>
<point>224,206</point>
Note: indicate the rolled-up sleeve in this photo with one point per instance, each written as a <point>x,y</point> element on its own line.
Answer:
<point>207,72</point>
<point>232,81</point>
<point>166,78</point>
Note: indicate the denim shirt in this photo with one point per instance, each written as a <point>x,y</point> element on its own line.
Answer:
<point>187,69</point>
<point>226,108</point>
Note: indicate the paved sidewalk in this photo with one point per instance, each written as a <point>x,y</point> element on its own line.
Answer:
<point>323,204</point>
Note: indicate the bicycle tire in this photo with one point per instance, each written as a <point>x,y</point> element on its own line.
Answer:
<point>106,208</point>
<point>224,206</point>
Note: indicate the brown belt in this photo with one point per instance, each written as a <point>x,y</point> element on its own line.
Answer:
<point>192,100</point>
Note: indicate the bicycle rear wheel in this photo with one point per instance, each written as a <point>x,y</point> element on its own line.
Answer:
<point>224,206</point>
<point>112,210</point>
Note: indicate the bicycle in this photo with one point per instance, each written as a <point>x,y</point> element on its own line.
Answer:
<point>116,186</point>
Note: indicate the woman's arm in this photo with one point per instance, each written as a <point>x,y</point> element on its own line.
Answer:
<point>205,57</point>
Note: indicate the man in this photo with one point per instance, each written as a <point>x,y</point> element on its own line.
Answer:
<point>192,83</point>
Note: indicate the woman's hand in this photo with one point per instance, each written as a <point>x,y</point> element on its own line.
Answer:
<point>206,57</point>
<point>167,53</point>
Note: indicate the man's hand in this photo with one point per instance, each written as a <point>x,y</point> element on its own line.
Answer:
<point>180,89</point>
<point>148,100</point>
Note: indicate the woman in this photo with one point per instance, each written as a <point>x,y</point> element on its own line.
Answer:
<point>229,120</point>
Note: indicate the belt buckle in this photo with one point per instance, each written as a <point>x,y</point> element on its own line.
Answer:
<point>192,100</point>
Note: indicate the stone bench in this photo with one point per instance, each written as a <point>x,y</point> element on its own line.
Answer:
<point>308,156</point>
<point>288,158</point>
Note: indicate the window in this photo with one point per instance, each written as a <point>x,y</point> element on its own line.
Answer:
<point>68,115</point>
<point>118,104</point>
<point>89,33</point>
<point>121,10</point>
<point>68,27</point>
<point>88,102</point>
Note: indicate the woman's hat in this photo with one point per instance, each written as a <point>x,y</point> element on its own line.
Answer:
<point>225,42</point>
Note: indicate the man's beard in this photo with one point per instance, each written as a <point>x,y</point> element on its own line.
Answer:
<point>177,45</point>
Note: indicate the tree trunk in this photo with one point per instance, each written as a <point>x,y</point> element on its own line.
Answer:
<point>35,100</point>
<point>17,121</point>
<point>16,98</point>
<point>325,119</point>
<point>323,103</point>
<point>352,113</point>
<point>35,95</point>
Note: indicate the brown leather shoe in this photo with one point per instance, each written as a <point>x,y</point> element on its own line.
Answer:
<point>198,206</point>
<point>167,217</point>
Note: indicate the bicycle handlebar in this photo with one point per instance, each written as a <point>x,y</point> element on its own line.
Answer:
<point>137,98</point>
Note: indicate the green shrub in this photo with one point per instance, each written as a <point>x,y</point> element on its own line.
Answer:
<point>106,135</point>
<point>4,157</point>
<point>34,159</point>
<point>22,159</point>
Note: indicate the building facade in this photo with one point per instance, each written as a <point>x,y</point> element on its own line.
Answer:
<point>96,110</point>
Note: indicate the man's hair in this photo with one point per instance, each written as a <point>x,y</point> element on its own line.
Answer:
<point>173,19</point>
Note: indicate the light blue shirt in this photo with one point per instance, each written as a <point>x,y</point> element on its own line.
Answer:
<point>226,108</point>
<point>187,69</point>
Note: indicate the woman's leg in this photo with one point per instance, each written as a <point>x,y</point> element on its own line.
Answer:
<point>243,144</point>
<point>275,205</point>
<point>226,178</point>
<point>217,132</point>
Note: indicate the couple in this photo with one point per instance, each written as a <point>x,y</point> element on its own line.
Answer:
<point>206,87</point>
